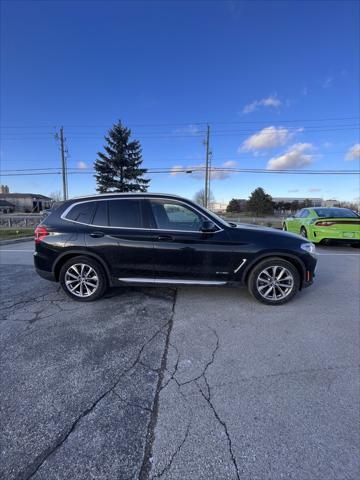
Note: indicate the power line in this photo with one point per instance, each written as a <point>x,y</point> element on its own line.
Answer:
<point>200,133</point>
<point>174,124</point>
<point>203,169</point>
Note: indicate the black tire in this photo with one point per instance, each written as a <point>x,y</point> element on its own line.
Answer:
<point>284,227</point>
<point>254,282</point>
<point>97,278</point>
<point>303,232</point>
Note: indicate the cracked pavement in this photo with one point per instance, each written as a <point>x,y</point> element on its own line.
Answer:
<point>253,392</point>
<point>78,381</point>
<point>204,383</point>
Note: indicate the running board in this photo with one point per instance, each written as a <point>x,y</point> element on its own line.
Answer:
<point>170,281</point>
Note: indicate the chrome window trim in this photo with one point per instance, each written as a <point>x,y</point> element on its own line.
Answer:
<point>63,215</point>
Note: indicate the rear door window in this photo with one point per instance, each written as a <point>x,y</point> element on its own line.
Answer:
<point>125,213</point>
<point>304,213</point>
<point>82,212</point>
<point>101,214</point>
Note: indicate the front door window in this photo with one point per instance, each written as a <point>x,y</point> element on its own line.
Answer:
<point>170,215</point>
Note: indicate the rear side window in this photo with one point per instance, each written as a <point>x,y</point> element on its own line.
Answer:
<point>304,213</point>
<point>81,212</point>
<point>101,215</point>
<point>125,213</point>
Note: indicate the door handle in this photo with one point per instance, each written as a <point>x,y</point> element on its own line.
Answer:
<point>164,238</point>
<point>96,234</point>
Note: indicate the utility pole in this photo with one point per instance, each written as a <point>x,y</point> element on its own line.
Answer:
<point>207,142</point>
<point>209,178</point>
<point>63,164</point>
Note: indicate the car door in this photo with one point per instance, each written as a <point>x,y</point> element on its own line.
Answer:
<point>305,214</point>
<point>293,224</point>
<point>182,252</point>
<point>119,234</point>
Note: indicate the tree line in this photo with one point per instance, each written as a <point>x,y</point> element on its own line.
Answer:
<point>261,203</point>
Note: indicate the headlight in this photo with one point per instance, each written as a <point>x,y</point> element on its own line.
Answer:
<point>308,247</point>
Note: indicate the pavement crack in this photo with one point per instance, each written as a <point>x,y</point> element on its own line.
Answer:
<point>145,469</point>
<point>175,453</point>
<point>37,463</point>
<point>131,404</point>
<point>208,364</point>
<point>224,426</point>
<point>172,376</point>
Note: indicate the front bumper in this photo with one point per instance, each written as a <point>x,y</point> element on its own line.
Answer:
<point>309,273</point>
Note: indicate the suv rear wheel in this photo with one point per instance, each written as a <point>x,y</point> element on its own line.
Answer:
<point>83,279</point>
<point>274,281</point>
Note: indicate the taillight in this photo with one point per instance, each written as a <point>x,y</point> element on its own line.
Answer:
<point>40,233</point>
<point>324,224</point>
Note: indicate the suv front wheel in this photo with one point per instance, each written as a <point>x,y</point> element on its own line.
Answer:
<point>274,281</point>
<point>83,279</point>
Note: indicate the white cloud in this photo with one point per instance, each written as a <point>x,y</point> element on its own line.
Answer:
<point>271,101</point>
<point>230,164</point>
<point>177,170</point>
<point>304,91</point>
<point>268,137</point>
<point>327,144</point>
<point>293,190</point>
<point>314,189</point>
<point>354,152</point>
<point>198,171</point>
<point>81,165</point>
<point>188,129</point>
<point>296,156</point>
<point>327,82</point>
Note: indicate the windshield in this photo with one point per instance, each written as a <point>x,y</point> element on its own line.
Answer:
<point>335,212</point>
<point>216,217</point>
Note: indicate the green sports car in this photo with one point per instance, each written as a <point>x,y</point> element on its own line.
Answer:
<point>320,224</point>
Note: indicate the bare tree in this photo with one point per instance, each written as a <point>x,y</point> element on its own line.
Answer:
<point>199,197</point>
<point>56,196</point>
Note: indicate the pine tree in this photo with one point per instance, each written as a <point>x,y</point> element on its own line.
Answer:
<point>260,202</point>
<point>119,169</point>
<point>233,206</point>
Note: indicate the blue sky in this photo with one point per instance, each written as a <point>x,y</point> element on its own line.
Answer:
<point>277,82</point>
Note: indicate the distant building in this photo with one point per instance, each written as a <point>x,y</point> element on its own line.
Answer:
<point>331,203</point>
<point>316,202</point>
<point>23,202</point>
<point>218,206</point>
<point>6,207</point>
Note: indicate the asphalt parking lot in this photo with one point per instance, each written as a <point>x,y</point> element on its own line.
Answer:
<point>198,383</point>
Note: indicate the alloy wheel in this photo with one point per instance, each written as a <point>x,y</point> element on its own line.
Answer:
<point>275,283</point>
<point>81,280</point>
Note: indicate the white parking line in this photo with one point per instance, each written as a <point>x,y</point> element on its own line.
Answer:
<point>3,250</point>
<point>339,254</point>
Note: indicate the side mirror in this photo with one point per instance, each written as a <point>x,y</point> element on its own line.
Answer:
<point>208,226</point>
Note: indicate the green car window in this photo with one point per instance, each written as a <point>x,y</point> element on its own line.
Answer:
<point>304,214</point>
<point>335,212</point>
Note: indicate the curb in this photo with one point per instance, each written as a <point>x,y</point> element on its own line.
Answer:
<point>16,240</point>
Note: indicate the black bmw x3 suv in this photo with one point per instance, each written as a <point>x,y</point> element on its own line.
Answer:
<point>91,243</point>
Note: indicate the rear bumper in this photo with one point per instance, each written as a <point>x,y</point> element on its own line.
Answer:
<point>39,264</point>
<point>322,234</point>
<point>339,241</point>
<point>44,274</point>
